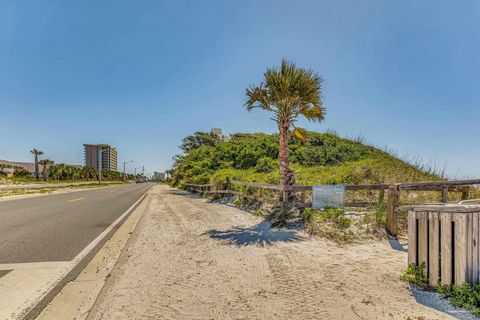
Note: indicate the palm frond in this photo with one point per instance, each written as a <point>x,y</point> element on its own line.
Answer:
<point>257,97</point>
<point>313,113</point>
<point>300,134</point>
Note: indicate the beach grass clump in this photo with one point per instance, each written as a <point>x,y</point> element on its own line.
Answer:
<point>330,223</point>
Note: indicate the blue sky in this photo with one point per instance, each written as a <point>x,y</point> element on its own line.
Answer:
<point>140,75</point>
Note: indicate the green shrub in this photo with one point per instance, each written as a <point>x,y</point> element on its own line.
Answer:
<point>466,296</point>
<point>258,213</point>
<point>21,173</point>
<point>310,214</point>
<point>266,165</point>
<point>415,275</point>
<point>331,223</point>
<point>380,214</point>
<point>279,223</point>
<point>326,159</point>
<point>336,216</point>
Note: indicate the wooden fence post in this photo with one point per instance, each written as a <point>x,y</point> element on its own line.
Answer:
<point>284,197</point>
<point>393,202</point>
<point>228,184</point>
<point>444,194</point>
<point>381,196</point>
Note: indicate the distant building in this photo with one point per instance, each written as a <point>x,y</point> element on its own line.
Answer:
<point>159,176</point>
<point>9,167</point>
<point>101,154</point>
<point>219,133</point>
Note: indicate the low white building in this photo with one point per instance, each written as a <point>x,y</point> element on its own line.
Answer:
<point>159,176</point>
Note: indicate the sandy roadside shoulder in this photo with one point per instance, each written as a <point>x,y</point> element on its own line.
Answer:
<point>39,193</point>
<point>189,259</point>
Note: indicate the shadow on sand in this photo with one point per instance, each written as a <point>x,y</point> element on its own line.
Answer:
<point>261,233</point>
<point>184,194</point>
<point>397,245</point>
<point>435,301</point>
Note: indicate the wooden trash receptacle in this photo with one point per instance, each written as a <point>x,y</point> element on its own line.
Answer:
<point>445,238</point>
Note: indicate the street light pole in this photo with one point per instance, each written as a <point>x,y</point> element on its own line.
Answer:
<point>100,152</point>
<point>124,176</point>
<point>136,172</point>
<point>99,158</point>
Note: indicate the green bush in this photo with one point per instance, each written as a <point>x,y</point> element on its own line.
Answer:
<point>21,173</point>
<point>466,296</point>
<point>325,159</point>
<point>380,214</point>
<point>336,216</point>
<point>310,214</point>
<point>331,223</point>
<point>266,165</point>
<point>415,275</point>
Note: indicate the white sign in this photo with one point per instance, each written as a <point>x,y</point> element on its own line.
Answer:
<point>328,196</point>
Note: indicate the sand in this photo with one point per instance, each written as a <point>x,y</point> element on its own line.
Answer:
<point>190,259</point>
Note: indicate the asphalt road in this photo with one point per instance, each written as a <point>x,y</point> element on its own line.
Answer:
<point>58,227</point>
<point>46,185</point>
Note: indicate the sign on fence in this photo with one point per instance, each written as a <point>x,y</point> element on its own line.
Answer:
<point>328,196</point>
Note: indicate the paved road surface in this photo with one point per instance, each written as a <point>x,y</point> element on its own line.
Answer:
<point>58,227</point>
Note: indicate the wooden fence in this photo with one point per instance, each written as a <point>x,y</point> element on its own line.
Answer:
<point>445,240</point>
<point>282,196</point>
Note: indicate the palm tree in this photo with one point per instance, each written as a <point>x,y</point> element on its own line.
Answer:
<point>45,163</point>
<point>288,92</point>
<point>37,153</point>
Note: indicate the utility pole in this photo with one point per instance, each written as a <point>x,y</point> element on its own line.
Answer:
<point>136,173</point>
<point>99,158</point>
<point>124,176</point>
<point>100,162</point>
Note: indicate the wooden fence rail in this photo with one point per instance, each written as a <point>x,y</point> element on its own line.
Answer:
<point>393,193</point>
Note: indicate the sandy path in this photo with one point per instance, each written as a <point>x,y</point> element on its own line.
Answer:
<point>189,259</point>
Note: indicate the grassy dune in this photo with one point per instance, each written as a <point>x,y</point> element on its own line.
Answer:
<point>325,159</point>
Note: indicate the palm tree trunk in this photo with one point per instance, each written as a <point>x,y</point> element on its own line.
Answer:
<point>36,167</point>
<point>285,172</point>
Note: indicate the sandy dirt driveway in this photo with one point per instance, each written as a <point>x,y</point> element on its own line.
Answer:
<point>190,259</point>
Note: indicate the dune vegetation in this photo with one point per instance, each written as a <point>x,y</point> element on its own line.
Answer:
<point>325,158</point>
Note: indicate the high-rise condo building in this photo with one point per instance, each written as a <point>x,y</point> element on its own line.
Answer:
<point>100,154</point>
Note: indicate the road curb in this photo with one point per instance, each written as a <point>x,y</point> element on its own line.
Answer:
<point>80,262</point>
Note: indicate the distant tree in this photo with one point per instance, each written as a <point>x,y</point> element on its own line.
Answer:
<point>45,164</point>
<point>88,172</point>
<point>288,92</point>
<point>20,172</point>
<point>198,139</point>
<point>57,171</point>
<point>37,153</point>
